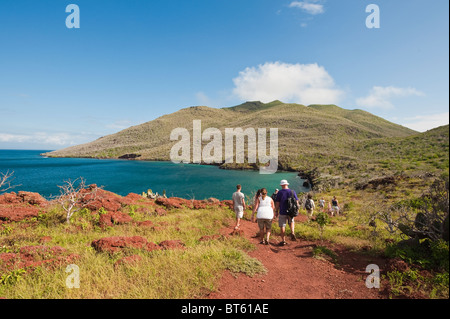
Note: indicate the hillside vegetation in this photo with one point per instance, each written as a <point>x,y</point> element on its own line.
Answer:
<point>392,185</point>
<point>330,145</point>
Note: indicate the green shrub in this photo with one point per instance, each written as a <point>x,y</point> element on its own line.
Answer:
<point>439,253</point>
<point>12,277</point>
<point>53,217</point>
<point>349,206</point>
<point>322,219</point>
<point>5,230</point>
<point>320,251</point>
<point>236,261</point>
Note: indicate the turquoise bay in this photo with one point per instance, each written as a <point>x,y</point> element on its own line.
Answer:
<point>35,173</point>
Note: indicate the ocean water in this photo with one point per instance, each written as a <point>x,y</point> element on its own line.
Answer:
<point>35,173</point>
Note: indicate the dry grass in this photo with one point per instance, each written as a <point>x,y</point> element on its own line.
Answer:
<point>167,274</point>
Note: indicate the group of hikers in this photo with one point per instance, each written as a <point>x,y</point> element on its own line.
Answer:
<point>277,206</point>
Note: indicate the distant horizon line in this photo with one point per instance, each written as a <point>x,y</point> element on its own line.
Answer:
<point>26,149</point>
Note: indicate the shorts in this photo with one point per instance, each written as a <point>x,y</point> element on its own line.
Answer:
<point>267,223</point>
<point>239,210</point>
<point>283,219</point>
<point>335,209</point>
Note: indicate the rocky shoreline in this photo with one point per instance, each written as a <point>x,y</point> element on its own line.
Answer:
<point>311,177</point>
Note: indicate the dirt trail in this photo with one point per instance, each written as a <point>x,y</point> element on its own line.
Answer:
<point>293,272</point>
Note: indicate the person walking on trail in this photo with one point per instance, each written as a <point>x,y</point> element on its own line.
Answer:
<point>274,195</point>
<point>309,206</point>
<point>239,205</point>
<point>334,206</point>
<point>322,204</point>
<point>256,197</point>
<point>264,208</point>
<point>281,203</point>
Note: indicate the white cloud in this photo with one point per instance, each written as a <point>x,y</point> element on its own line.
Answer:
<point>13,138</point>
<point>58,139</point>
<point>423,123</point>
<point>309,6</point>
<point>294,83</point>
<point>380,97</point>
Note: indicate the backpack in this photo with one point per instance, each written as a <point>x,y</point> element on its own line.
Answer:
<point>292,206</point>
<point>308,204</point>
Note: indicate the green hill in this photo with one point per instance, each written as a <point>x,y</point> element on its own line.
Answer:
<point>326,139</point>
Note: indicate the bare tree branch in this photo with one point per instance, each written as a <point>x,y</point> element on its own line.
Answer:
<point>6,180</point>
<point>74,196</point>
<point>425,220</point>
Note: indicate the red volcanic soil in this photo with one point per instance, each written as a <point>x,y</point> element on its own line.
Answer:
<point>21,205</point>
<point>293,272</point>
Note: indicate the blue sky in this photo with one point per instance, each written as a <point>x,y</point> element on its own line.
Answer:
<point>132,61</point>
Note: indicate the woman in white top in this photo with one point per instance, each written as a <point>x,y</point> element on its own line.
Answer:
<point>264,207</point>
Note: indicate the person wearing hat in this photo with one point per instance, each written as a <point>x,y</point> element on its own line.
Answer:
<point>281,211</point>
